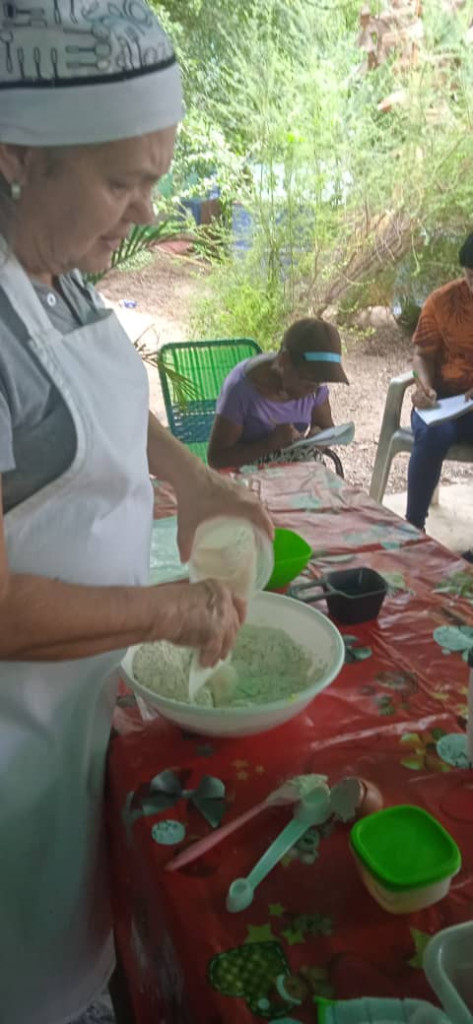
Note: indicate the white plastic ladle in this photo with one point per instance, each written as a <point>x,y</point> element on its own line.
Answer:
<point>312,810</point>
<point>200,675</point>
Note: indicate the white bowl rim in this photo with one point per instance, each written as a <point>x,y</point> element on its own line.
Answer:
<point>199,710</point>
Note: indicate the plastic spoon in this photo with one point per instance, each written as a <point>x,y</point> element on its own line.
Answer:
<point>313,809</point>
<point>289,793</point>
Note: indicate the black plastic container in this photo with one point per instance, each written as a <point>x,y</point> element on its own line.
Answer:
<point>352,595</point>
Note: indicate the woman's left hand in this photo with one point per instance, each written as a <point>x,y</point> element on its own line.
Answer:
<point>207,495</point>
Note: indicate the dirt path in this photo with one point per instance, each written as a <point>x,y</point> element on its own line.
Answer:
<point>165,290</point>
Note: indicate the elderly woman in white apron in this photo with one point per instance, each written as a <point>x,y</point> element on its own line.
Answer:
<point>89,102</point>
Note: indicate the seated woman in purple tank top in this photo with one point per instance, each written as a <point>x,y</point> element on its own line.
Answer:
<point>268,402</point>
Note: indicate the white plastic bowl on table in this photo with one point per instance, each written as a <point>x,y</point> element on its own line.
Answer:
<point>305,625</point>
<point>448,964</point>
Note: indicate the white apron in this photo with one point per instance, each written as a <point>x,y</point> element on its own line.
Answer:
<point>91,526</point>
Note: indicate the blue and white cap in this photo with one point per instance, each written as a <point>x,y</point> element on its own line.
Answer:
<point>76,72</point>
<point>316,344</point>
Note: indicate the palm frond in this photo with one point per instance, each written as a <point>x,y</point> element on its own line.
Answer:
<point>140,239</point>
<point>185,390</point>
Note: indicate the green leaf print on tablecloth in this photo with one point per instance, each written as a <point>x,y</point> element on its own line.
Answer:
<point>421,941</point>
<point>305,502</point>
<point>454,639</point>
<point>395,582</point>
<point>422,751</point>
<point>459,584</point>
<point>388,535</point>
<point>401,686</point>
<point>352,651</point>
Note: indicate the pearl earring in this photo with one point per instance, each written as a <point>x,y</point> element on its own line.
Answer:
<point>15,191</point>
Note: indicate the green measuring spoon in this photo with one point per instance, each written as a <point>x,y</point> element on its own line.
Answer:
<point>313,809</point>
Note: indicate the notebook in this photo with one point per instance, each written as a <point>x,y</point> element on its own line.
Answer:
<point>446,409</point>
<point>343,433</point>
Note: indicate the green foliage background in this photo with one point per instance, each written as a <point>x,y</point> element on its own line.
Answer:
<point>350,204</point>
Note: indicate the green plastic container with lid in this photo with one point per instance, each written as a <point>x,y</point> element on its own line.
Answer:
<point>405,857</point>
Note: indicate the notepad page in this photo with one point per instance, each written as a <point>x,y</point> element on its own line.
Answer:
<point>446,409</point>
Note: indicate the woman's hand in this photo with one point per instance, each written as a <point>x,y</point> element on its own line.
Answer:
<point>423,397</point>
<point>284,435</point>
<point>206,495</point>
<point>202,615</point>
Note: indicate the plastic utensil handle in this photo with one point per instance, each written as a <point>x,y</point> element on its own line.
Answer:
<point>308,585</point>
<point>304,591</point>
<point>208,842</point>
<point>199,676</point>
<point>309,598</point>
<point>281,845</point>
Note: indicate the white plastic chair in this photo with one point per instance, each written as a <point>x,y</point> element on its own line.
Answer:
<point>394,439</point>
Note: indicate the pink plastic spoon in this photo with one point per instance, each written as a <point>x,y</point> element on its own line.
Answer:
<point>289,793</point>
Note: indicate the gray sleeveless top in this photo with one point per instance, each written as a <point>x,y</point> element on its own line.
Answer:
<point>37,435</point>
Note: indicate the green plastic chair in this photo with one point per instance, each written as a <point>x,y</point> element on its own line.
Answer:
<point>192,374</point>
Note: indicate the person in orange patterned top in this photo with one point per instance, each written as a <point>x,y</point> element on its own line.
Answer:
<point>443,362</point>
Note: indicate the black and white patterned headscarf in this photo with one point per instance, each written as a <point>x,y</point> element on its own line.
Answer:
<point>83,71</point>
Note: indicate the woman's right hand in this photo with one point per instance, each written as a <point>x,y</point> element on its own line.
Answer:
<point>424,398</point>
<point>284,435</point>
<point>203,615</point>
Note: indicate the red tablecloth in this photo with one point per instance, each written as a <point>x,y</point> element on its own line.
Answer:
<point>404,684</point>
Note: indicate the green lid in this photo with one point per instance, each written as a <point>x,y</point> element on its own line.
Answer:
<point>405,847</point>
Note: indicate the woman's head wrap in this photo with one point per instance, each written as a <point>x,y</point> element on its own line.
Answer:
<point>76,72</point>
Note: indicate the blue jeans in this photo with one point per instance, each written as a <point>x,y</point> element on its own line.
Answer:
<point>431,445</point>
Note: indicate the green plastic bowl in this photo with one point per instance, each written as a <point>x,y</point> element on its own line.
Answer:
<point>291,555</point>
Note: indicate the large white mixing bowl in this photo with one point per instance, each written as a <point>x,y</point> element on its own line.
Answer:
<point>305,626</point>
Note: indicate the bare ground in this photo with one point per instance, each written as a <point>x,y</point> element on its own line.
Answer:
<point>165,291</point>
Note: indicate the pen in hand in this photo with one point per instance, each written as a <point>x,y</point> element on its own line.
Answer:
<point>429,393</point>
